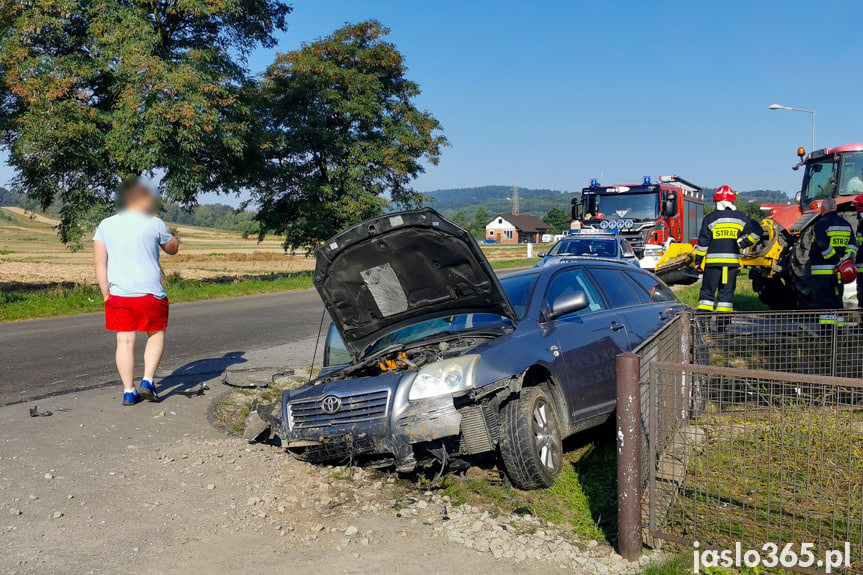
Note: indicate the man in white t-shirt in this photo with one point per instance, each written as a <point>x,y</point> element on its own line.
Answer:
<point>126,248</point>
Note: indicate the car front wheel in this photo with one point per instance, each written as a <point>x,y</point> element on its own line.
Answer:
<point>530,441</point>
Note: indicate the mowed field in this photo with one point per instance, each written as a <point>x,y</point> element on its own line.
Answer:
<point>31,254</point>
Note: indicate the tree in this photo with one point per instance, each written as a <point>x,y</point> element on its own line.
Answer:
<point>95,91</point>
<point>342,137</point>
<point>480,219</point>
<point>459,218</point>
<point>556,219</point>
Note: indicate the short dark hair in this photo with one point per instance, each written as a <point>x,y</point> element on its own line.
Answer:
<point>133,189</point>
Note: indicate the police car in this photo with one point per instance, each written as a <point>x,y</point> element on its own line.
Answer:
<point>589,243</point>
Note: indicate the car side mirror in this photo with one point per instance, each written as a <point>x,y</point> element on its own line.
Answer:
<point>567,304</point>
<point>797,198</point>
<point>541,254</point>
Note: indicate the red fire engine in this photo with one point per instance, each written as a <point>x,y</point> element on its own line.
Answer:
<point>651,216</point>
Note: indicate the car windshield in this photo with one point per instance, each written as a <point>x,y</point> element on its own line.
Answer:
<point>626,206</point>
<point>596,247</point>
<point>450,324</point>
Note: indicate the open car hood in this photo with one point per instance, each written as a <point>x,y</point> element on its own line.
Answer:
<point>397,270</point>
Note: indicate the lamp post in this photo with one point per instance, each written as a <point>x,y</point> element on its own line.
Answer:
<point>810,112</point>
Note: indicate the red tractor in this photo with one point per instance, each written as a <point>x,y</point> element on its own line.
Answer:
<point>779,265</point>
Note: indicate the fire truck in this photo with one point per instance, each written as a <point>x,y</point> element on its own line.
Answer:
<point>660,220</point>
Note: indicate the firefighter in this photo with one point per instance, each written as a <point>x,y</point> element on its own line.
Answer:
<point>833,241</point>
<point>858,203</point>
<point>724,232</point>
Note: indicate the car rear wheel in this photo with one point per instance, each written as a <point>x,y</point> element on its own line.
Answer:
<point>531,445</point>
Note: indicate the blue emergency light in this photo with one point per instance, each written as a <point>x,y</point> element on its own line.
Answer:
<point>646,180</point>
<point>594,183</point>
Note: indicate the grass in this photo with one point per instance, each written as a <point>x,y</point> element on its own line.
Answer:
<point>70,300</point>
<point>583,498</point>
<point>515,263</point>
<point>745,299</point>
<point>805,488</point>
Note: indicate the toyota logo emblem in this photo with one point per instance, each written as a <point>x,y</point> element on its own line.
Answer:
<point>331,404</point>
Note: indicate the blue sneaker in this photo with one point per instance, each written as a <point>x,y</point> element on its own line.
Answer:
<point>148,391</point>
<point>131,398</point>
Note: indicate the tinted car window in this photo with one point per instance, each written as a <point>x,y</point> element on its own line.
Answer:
<point>570,281</point>
<point>616,287</point>
<point>518,290</point>
<point>656,290</point>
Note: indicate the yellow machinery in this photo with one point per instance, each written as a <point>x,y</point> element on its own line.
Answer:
<point>677,264</point>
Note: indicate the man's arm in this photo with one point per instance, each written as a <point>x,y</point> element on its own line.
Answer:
<point>100,253</point>
<point>750,235</point>
<point>821,242</point>
<point>172,247</point>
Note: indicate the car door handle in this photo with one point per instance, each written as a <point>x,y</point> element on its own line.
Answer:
<point>616,326</point>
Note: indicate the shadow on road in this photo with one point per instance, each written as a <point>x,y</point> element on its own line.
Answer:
<point>196,372</point>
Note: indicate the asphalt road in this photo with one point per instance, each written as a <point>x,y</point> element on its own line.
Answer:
<point>49,356</point>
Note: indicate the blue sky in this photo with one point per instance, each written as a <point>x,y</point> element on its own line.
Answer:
<point>552,94</point>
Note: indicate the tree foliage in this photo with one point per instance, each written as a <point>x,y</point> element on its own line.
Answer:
<point>556,218</point>
<point>342,137</point>
<point>94,91</point>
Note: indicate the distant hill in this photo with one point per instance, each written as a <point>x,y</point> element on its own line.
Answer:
<point>533,202</point>
<point>758,196</point>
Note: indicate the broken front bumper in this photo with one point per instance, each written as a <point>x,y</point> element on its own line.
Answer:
<point>371,419</point>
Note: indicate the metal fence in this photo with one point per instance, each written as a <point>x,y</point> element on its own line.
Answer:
<point>752,432</point>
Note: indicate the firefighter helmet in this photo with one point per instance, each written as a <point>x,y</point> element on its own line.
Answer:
<point>847,271</point>
<point>724,193</point>
<point>858,203</point>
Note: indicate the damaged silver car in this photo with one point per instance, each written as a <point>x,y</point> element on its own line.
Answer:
<point>432,357</point>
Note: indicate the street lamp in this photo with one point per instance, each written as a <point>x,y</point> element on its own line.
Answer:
<point>810,112</point>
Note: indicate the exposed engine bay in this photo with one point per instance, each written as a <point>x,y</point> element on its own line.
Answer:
<point>412,356</point>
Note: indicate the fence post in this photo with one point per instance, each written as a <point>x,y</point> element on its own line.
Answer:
<point>629,455</point>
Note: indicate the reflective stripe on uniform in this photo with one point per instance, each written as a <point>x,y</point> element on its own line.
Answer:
<point>831,319</point>
<point>722,259</point>
<point>737,222</point>
<point>754,237</point>
<point>828,253</point>
<point>725,307</point>
<point>724,275</point>
<point>859,269</point>
<point>705,305</point>
<point>852,248</point>
<point>823,270</point>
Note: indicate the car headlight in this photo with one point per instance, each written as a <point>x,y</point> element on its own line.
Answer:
<point>450,376</point>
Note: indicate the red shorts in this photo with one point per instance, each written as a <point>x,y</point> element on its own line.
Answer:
<point>144,313</point>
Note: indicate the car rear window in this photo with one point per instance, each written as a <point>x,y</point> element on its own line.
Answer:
<point>653,289</point>
<point>615,285</point>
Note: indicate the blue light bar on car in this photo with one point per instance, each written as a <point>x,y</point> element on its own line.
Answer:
<point>646,180</point>
<point>594,183</point>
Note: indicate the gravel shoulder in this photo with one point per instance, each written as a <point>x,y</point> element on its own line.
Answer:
<point>157,489</point>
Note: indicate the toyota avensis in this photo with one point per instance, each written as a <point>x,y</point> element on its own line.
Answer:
<point>431,356</point>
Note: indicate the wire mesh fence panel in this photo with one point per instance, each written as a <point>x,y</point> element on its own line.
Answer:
<point>806,342</point>
<point>671,345</point>
<point>752,456</point>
